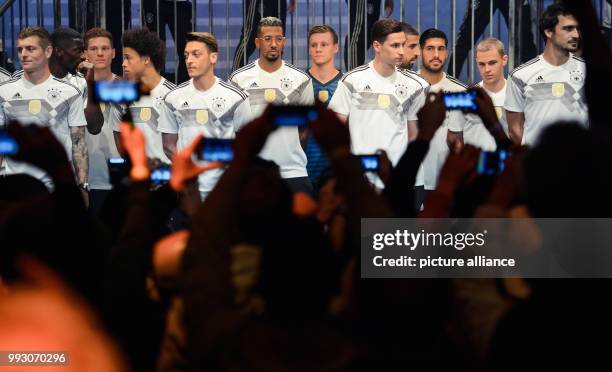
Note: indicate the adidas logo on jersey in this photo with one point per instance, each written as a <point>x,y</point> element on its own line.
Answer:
<point>17,95</point>
<point>539,79</point>
<point>185,104</point>
<point>367,88</point>
<point>254,85</point>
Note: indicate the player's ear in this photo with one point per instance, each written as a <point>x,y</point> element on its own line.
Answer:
<point>336,48</point>
<point>258,42</point>
<point>48,51</point>
<point>376,45</point>
<point>113,53</point>
<point>214,57</point>
<point>505,60</point>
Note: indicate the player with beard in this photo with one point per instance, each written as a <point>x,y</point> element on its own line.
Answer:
<point>270,80</point>
<point>412,50</point>
<point>551,86</point>
<point>434,54</point>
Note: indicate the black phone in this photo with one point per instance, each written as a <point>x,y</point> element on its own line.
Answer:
<point>8,145</point>
<point>160,175</point>
<point>116,91</point>
<point>294,115</point>
<point>460,100</point>
<point>118,170</point>
<point>216,149</point>
<point>491,163</point>
<point>370,163</point>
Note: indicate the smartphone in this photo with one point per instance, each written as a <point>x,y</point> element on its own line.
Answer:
<point>491,163</point>
<point>160,175</point>
<point>118,170</point>
<point>370,163</point>
<point>460,100</point>
<point>216,149</point>
<point>294,115</point>
<point>116,91</point>
<point>8,145</point>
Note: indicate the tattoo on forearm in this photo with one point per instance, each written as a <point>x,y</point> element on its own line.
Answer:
<point>80,157</point>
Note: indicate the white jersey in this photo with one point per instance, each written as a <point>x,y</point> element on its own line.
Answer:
<point>545,94</point>
<point>379,108</point>
<point>4,75</point>
<point>286,86</point>
<point>146,113</point>
<point>102,147</point>
<point>474,131</point>
<point>216,113</point>
<point>77,80</point>
<point>52,103</point>
<point>438,149</point>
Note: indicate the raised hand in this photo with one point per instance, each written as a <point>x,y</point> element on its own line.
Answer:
<point>431,116</point>
<point>183,167</point>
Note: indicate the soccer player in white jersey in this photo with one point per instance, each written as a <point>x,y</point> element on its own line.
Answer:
<point>39,98</point>
<point>205,104</point>
<point>270,80</point>
<point>550,87</point>
<point>4,75</point>
<point>491,59</point>
<point>100,52</point>
<point>380,101</point>
<point>67,57</point>
<point>434,53</point>
<point>143,57</point>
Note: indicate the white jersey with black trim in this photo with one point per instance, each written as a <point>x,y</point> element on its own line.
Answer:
<point>379,108</point>
<point>4,75</point>
<point>52,103</point>
<point>438,149</point>
<point>286,86</point>
<point>546,94</point>
<point>146,113</point>
<point>216,113</point>
<point>102,147</point>
<point>78,80</point>
<point>474,131</point>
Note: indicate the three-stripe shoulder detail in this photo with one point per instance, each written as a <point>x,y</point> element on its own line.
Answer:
<point>458,82</point>
<point>297,69</point>
<point>242,69</point>
<point>409,75</point>
<point>233,89</point>
<point>356,69</point>
<point>67,83</point>
<point>528,63</point>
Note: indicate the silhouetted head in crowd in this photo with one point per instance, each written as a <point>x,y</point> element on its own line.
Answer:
<point>568,173</point>
<point>290,248</point>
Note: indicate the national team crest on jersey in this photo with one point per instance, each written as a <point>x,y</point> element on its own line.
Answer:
<point>218,104</point>
<point>54,95</point>
<point>286,84</point>
<point>576,76</point>
<point>401,91</point>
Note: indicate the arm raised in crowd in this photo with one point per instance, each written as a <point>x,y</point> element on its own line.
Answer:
<point>93,113</point>
<point>399,191</point>
<point>458,167</point>
<point>210,311</point>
